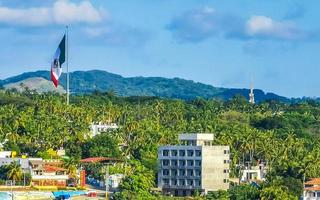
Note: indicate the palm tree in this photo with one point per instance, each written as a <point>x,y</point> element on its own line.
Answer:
<point>71,165</point>
<point>14,171</point>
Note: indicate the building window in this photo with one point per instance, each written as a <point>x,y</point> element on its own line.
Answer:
<point>182,152</point>
<point>190,153</point>
<point>174,163</point>
<point>174,153</point>
<point>191,143</point>
<point>226,151</point>
<point>207,143</point>
<point>181,182</point>
<point>165,181</point>
<point>189,182</point>
<point>174,182</point>
<point>198,163</point>
<point>174,172</point>
<point>189,172</point>
<point>226,180</point>
<point>189,163</point>
<point>198,172</point>
<point>225,161</point>
<point>165,152</point>
<point>225,171</point>
<point>182,163</point>
<point>198,182</point>
<point>165,162</point>
<point>165,172</point>
<point>198,152</point>
<point>182,172</point>
<point>184,193</point>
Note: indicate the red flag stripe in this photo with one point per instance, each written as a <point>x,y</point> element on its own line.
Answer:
<point>54,79</point>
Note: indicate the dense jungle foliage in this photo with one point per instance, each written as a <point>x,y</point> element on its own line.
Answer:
<point>286,136</point>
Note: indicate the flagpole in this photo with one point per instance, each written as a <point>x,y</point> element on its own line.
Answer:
<point>67,57</point>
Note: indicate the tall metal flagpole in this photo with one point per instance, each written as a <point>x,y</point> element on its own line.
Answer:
<point>67,57</point>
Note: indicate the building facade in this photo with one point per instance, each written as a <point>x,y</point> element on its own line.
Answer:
<point>254,173</point>
<point>193,165</point>
<point>311,189</point>
<point>43,172</point>
<point>97,128</point>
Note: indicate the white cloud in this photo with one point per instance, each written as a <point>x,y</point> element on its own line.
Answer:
<point>262,26</point>
<point>31,16</point>
<point>65,12</point>
<point>199,24</point>
<point>62,12</point>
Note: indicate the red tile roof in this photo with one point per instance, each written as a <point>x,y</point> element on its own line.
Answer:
<point>315,188</point>
<point>313,181</point>
<point>98,159</point>
<point>50,168</point>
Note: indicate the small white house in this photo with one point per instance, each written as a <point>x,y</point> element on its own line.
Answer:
<point>114,180</point>
<point>254,173</point>
<point>97,128</point>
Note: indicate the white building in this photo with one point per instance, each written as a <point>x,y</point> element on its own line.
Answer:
<point>5,154</point>
<point>114,181</point>
<point>195,164</point>
<point>97,128</point>
<point>254,173</point>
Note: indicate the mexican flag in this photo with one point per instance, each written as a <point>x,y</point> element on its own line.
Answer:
<point>58,59</point>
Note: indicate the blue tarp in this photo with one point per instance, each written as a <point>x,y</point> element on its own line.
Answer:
<point>68,193</point>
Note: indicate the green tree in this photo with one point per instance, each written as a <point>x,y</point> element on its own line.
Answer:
<point>244,192</point>
<point>14,171</point>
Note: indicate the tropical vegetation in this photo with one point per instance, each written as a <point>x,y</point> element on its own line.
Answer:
<point>285,135</point>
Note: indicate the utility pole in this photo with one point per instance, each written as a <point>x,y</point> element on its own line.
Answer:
<point>67,55</point>
<point>24,179</point>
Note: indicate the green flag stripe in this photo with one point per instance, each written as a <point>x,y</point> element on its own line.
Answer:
<point>62,47</point>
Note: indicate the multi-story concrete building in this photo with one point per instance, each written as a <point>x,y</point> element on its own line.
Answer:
<point>193,165</point>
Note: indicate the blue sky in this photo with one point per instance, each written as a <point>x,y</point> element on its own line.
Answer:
<point>223,43</point>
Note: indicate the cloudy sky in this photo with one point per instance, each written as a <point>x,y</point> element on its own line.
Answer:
<point>224,43</point>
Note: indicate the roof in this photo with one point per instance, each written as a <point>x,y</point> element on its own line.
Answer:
<point>36,162</point>
<point>50,168</point>
<point>315,188</point>
<point>313,181</point>
<point>98,159</point>
<point>196,136</point>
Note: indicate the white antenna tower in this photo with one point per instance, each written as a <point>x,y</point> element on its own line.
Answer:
<point>251,94</point>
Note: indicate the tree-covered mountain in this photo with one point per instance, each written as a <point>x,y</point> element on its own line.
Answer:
<point>96,80</point>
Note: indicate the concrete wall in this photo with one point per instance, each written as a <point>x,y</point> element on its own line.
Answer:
<point>24,162</point>
<point>214,168</point>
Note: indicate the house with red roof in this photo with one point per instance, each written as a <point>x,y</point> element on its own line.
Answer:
<point>311,189</point>
<point>46,174</point>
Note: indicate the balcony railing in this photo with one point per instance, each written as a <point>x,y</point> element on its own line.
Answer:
<point>50,177</point>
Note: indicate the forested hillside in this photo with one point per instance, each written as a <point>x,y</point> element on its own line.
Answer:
<point>286,136</point>
<point>84,82</point>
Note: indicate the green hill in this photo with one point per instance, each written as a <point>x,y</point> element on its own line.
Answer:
<point>39,84</point>
<point>96,80</point>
